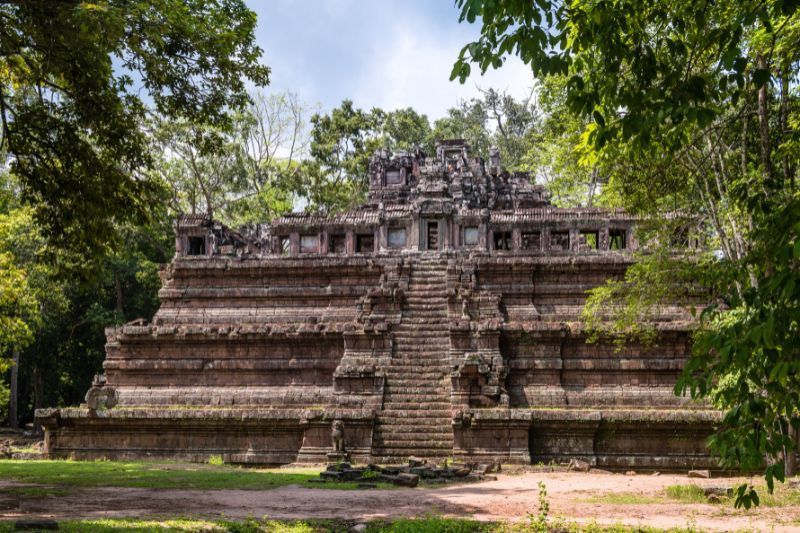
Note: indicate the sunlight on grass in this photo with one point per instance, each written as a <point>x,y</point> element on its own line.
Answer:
<point>626,498</point>
<point>160,475</point>
<point>686,493</point>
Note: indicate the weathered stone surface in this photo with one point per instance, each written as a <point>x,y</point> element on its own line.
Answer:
<point>440,319</point>
<point>703,474</point>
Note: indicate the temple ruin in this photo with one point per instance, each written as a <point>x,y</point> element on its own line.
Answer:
<point>439,319</point>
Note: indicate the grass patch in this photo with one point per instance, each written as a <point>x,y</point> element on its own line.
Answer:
<point>686,493</point>
<point>430,524</point>
<point>625,498</point>
<point>161,475</point>
<point>187,526</point>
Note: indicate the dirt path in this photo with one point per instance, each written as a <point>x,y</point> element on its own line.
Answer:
<point>511,497</point>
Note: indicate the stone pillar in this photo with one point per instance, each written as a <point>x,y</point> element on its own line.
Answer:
<point>574,235</point>
<point>323,242</point>
<point>294,244</point>
<point>516,239</point>
<point>412,239</point>
<point>602,237</point>
<point>545,239</point>
<point>350,242</point>
<point>382,242</point>
<point>483,236</point>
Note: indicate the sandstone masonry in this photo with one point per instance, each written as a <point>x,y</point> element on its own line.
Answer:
<point>440,319</point>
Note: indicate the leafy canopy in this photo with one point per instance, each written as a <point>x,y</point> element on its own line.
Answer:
<point>629,63</point>
<point>75,78</point>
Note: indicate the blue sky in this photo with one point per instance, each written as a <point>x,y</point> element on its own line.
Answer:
<point>384,53</point>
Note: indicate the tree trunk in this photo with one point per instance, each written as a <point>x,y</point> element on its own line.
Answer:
<point>13,416</point>
<point>38,395</point>
<point>788,172</point>
<point>763,122</point>
<point>120,297</point>
<point>790,456</point>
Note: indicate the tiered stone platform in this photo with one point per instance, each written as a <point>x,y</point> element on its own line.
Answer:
<point>440,319</point>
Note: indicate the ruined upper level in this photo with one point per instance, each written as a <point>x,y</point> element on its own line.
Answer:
<point>452,177</point>
<point>448,202</point>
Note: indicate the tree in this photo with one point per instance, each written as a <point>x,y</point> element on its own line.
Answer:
<point>552,152</point>
<point>691,106</point>
<point>494,119</point>
<point>73,80</point>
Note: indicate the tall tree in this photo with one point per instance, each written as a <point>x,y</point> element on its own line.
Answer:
<point>74,76</point>
<point>692,105</point>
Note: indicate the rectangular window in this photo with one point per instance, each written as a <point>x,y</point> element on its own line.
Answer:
<point>559,240</point>
<point>365,243</point>
<point>588,240</point>
<point>337,244</point>
<point>471,236</point>
<point>309,244</point>
<point>531,240</point>
<point>393,177</point>
<point>617,239</point>
<point>502,240</point>
<point>286,245</point>
<point>197,246</point>
<point>397,238</point>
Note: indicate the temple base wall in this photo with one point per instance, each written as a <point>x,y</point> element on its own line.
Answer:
<point>614,440</point>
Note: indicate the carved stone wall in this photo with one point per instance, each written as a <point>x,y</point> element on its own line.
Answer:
<point>441,318</point>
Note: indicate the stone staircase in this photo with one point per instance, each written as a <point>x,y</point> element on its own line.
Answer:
<point>416,415</point>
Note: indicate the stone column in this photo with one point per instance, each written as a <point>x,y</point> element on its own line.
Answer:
<point>350,242</point>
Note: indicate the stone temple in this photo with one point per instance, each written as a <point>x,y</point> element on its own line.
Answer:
<point>439,319</point>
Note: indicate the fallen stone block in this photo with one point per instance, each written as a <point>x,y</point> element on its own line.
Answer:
<point>704,474</point>
<point>407,480</point>
<point>416,461</point>
<point>576,465</point>
<point>718,491</point>
<point>351,475</point>
<point>462,472</point>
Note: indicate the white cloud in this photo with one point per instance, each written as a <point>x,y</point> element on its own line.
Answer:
<point>410,67</point>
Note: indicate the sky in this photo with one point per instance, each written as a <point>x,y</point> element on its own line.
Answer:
<point>379,53</point>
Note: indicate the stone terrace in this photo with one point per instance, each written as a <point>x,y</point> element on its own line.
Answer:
<point>439,319</point>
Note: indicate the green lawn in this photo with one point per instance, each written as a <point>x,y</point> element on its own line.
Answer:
<point>161,475</point>
<point>420,525</point>
<point>691,494</point>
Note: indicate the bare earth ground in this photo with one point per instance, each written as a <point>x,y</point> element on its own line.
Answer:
<point>510,498</point>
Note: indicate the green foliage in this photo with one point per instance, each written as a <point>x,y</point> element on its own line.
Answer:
<point>627,310</point>
<point>747,357</point>
<point>539,523</point>
<point>71,112</point>
<point>691,108</point>
<point>626,60</point>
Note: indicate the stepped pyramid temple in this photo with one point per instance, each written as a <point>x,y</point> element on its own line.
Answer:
<point>439,319</point>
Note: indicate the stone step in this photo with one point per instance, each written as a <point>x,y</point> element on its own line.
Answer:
<point>401,421</point>
<point>433,413</point>
<point>408,376</point>
<point>431,417</point>
<point>415,401</point>
<point>401,446</point>
<point>409,434</point>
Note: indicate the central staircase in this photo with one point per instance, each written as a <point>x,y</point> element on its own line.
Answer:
<point>416,415</point>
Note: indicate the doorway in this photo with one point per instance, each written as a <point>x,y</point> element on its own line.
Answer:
<point>432,235</point>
